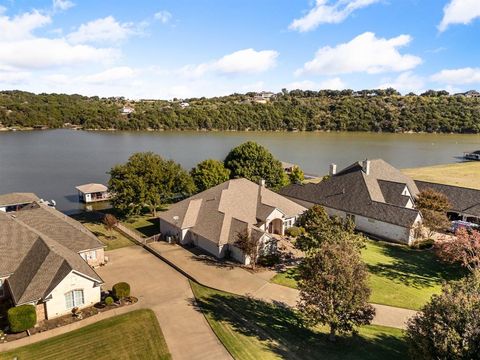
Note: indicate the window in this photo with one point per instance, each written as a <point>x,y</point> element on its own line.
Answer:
<point>74,298</point>
<point>89,255</point>
<point>2,291</point>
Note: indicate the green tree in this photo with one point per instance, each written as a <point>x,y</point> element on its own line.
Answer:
<point>333,286</point>
<point>320,228</point>
<point>147,180</point>
<point>209,173</point>
<point>254,162</point>
<point>296,175</point>
<point>433,206</point>
<point>448,327</point>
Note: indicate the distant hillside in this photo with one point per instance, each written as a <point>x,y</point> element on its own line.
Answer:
<point>369,110</point>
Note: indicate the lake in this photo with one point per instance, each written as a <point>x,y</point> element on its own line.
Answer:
<point>51,163</point>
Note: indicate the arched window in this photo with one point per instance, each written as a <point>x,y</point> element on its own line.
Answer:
<point>74,298</point>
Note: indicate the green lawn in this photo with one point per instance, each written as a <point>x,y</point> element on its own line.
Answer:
<point>135,335</point>
<point>252,329</point>
<point>147,225</point>
<point>112,239</point>
<point>399,276</point>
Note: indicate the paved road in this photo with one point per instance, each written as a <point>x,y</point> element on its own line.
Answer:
<point>161,288</point>
<point>239,281</point>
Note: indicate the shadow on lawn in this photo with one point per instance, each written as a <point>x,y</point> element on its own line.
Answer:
<point>152,227</point>
<point>416,269</point>
<point>281,329</point>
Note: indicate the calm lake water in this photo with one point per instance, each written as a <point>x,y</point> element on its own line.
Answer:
<point>51,163</point>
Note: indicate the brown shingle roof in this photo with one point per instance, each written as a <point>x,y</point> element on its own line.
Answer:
<point>35,261</point>
<point>17,198</point>
<point>353,191</point>
<point>463,200</point>
<point>212,213</point>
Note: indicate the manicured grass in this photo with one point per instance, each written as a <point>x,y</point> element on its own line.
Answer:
<point>135,335</point>
<point>399,276</point>
<point>112,239</point>
<point>461,174</point>
<point>147,225</point>
<point>252,329</point>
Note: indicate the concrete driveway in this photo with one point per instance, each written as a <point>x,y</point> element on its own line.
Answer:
<point>162,289</point>
<point>234,279</point>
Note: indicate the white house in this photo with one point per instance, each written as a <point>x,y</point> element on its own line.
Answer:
<point>377,197</point>
<point>89,193</point>
<point>213,218</point>
<point>46,260</point>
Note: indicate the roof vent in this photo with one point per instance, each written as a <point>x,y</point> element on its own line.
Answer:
<point>333,169</point>
<point>366,166</point>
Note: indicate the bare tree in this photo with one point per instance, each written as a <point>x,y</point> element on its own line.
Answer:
<point>433,206</point>
<point>465,249</point>
<point>110,221</point>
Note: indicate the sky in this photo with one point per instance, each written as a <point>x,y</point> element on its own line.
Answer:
<point>161,49</point>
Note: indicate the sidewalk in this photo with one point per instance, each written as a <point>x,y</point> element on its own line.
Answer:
<point>234,279</point>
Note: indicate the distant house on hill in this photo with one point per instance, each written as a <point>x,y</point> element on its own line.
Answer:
<point>470,94</point>
<point>46,261</point>
<point>378,198</point>
<point>126,110</point>
<point>212,219</point>
<point>184,105</point>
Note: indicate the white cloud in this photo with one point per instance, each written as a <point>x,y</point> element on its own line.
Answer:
<point>110,75</point>
<point>62,5</point>
<point>21,26</point>
<point>102,30</point>
<point>328,84</point>
<point>462,76</point>
<point>405,82</point>
<point>163,16</point>
<point>328,12</point>
<point>13,77</point>
<point>365,53</point>
<point>247,61</point>
<point>459,12</point>
<point>20,48</point>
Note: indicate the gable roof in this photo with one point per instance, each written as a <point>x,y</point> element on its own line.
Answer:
<point>376,195</point>
<point>36,262</point>
<point>234,204</point>
<point>91,188</point>
<point>17,198</point>
<point>463,200</point>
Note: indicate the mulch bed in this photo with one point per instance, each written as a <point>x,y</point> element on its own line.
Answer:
<point>46,325</point>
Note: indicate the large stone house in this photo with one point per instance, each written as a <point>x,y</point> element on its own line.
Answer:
<point>212,219</point>
<point>47,260</point>
<point>377,197</point>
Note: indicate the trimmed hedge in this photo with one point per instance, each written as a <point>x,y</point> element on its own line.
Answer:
<point>21,318</point>
<point>121,290</point>
<point>108,300</point>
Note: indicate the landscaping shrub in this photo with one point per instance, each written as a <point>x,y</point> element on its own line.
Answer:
<point>294,231</point>
<point>423,244</point>
<point>269,260</point>
<point>121,290</point>
<point>108,300</point>
<point>21,318</point>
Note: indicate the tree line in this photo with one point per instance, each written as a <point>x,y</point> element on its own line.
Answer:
<point>326,110</point>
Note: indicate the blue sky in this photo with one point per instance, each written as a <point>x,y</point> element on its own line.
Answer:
<point>179,48</point>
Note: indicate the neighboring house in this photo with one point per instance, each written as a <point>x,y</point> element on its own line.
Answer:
<point>213,218</point>
<point>377,197</point>
<point>184,105</point>
<point>92,192</point>
<point>465,202</point>
<point>126,110</point>
<point>15,201</point>
<point>46,260</point>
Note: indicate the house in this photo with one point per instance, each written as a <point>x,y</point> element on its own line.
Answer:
<point>465,202</point>
<point>46,260</point>
<point>377,197</point>
<point>212,219</point>
<point>15,201</point>
<point>184,105</point>
<point>126,110</point>
<point>89,193</point>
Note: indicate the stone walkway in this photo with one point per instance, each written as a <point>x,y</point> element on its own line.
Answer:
<point>236,280</point>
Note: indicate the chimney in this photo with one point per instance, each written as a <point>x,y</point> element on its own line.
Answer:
<point>262,182</point>
<point>366,166</point>
<point>333,169</point>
